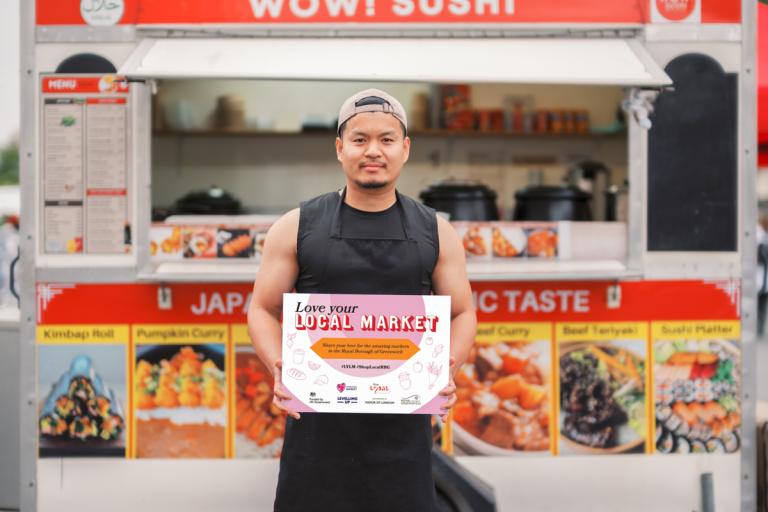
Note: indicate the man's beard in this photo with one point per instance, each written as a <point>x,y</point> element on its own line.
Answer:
<point>372,185</point>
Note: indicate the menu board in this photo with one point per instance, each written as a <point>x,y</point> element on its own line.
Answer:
<point>86,165</point>
<point>148,370</point>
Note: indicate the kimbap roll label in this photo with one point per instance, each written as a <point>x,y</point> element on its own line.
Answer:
<point>71,334</point>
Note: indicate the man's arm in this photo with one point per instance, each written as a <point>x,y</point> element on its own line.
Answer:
<point>277,275</point>
<point>450,278</point>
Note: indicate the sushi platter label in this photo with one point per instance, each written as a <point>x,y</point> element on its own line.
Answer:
<point>73,334</point>
<point>366,353</point>
<point>173,334</point>
<point>488,333</point>
<point>730,329</point>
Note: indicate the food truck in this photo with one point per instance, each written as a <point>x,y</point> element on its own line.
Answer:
<point>614,357</point>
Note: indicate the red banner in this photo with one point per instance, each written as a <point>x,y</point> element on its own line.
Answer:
<point>497,301</point>
<point>762,83</point>
<point>129,12</point>
<point>70,84</point>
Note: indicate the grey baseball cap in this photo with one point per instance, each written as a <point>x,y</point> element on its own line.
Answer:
<point>371,100</point>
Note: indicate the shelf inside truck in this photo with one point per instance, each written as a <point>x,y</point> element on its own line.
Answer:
<point>526,270</point>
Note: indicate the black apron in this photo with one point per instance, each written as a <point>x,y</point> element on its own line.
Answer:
<point>353,462</point>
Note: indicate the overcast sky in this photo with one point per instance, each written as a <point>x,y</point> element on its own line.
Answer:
<point>9,71</point>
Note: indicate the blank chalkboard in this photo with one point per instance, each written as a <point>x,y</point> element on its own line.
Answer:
<point>692,159</point>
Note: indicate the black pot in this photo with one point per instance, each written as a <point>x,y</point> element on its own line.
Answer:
<point>213,201</point>
<point>462,200</point>
<point>552,204</point>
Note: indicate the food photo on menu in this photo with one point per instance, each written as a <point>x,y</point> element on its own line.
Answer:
<point>180,401</point>
<point>542,242</point>
<point>234,243</point>
<point>508,240</point>
<point>602,397</point>
<point>697,390</point>
<point>83,391</point>
<point>165,243</point>
<point>259,424</point>
<point>504,399</point>
<point>199,242</point>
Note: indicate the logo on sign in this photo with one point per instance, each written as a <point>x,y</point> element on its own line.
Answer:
<point>341,387</point>
<point>102,13</point>
<point>410,400</point>
<point>676,10</point>
<point>379,389</point>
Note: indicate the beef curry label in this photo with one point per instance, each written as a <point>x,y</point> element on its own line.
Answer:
<point>366,353</point>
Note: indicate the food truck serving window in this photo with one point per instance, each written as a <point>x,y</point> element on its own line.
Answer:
<point>520,60</point>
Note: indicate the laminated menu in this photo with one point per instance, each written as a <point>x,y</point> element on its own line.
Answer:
<point>366,353</point>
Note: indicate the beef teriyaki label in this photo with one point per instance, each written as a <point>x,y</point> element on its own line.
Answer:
<point>366,353</point>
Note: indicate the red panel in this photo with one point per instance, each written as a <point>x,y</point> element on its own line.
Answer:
<point>67,12</point>
<point>762,81</point>
<point>499,301</point>
<point>66,84</point>
<point>721,11</point>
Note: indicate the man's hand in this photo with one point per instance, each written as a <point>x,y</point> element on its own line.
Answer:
<point>279,391</point>
<point>449,391</point>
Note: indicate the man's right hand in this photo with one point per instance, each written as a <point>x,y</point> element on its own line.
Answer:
<point>279,391</point>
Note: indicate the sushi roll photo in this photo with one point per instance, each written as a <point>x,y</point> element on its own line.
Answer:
<point>81,416</point>
<point>82,427</point>
<point>52,425</point>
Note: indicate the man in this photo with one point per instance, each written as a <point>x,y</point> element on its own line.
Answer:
<point>365,239</point>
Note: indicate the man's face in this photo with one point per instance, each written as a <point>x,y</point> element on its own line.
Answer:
<point>372,150</point>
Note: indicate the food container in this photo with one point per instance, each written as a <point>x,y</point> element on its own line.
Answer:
<point>230,112</point>
<point>463,200</point>
<point>552,203</point>
<point>214,201</point>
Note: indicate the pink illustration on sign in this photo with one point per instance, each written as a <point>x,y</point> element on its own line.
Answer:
<point>341,387</point>
<point>397,305</point>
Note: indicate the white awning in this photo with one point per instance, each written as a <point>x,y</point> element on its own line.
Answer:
<point>522,61</point>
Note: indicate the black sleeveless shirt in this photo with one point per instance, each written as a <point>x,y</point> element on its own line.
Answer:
<point>316,229</point>
<point>335,462</point>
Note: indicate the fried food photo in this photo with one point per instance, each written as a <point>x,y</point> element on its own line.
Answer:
<point>259,424</point>
<point>199,243</point>
<point>474,242</point>
<point>234,243</point>
<point>503,399</point>
<point>508,243</point>
<point>542,243</point>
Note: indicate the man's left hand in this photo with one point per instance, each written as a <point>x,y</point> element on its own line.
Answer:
<point>449,392</point>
